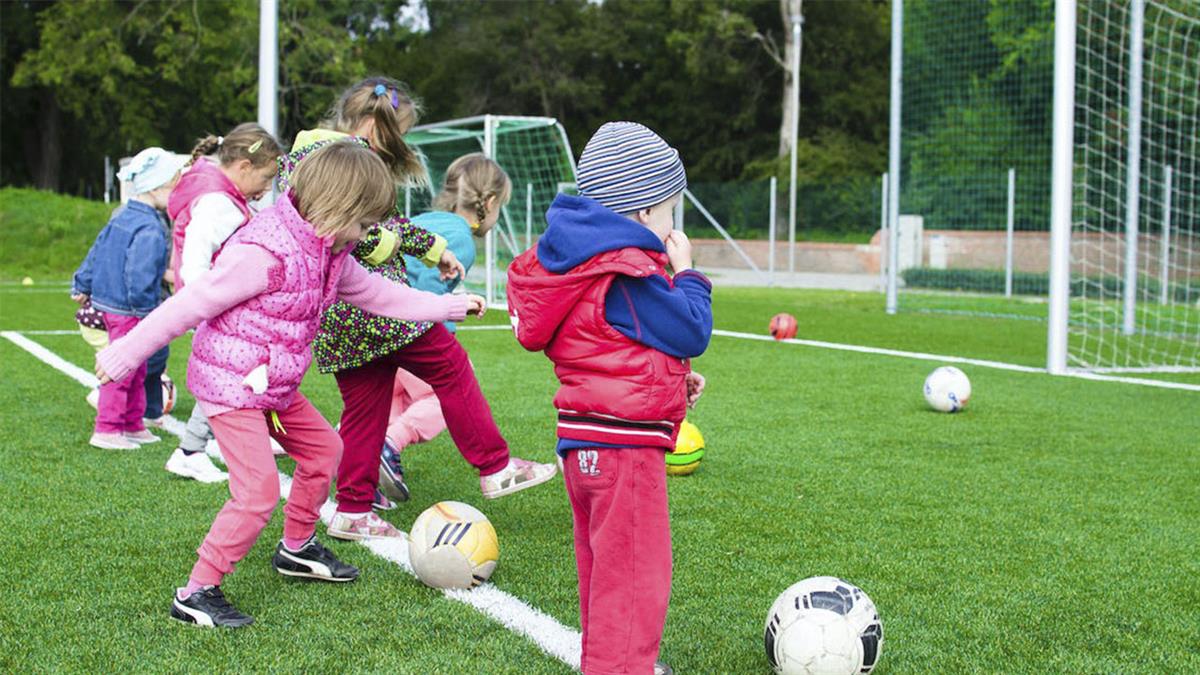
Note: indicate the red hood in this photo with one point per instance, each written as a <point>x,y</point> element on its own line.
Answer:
<point>539,301</point>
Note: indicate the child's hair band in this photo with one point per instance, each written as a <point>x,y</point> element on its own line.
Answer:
<point>381,90</point>
<point>220,141</point>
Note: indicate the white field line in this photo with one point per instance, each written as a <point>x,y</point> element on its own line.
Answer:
<point>45,332</point>
<point>942,358</point>
<point>547,633</point>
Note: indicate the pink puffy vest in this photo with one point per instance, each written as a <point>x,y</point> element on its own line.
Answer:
<point>203,178</point>
<point>277,327</point>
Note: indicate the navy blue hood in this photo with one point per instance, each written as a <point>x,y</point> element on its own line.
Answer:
<point>578,229</point>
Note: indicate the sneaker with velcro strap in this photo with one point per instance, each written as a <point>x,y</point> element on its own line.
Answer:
<point>312,561</point>
<point>208,607</point>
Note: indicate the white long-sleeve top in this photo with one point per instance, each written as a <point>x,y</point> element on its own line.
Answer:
<point>214,219</point>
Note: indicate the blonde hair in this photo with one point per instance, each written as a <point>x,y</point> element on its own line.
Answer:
<point>395,112</point>
<point>471,180</point>
<point>342,185</point>
<point>245,141</point>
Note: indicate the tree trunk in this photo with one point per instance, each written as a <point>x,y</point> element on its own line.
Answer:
<point>46,159</point>
<point>788,9</point>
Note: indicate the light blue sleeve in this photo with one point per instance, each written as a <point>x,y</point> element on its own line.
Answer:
<point>458,239</point>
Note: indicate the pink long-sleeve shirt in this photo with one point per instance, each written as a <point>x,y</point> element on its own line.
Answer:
<point>242,272</point>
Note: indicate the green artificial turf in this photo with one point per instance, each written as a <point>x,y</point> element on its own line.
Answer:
<point>1054,526</point>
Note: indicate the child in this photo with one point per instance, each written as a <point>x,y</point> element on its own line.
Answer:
<point>596,297</point>
<point>364,351</point>
<point>122,277</point>
<point>258,310</point>
<point>208,205</point>
<point>474,190</point>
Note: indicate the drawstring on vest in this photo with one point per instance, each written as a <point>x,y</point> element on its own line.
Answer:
<point>276,423</point>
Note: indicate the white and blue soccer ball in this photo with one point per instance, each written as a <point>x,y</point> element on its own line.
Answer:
<point>947,389</point>
<point>823,626</point>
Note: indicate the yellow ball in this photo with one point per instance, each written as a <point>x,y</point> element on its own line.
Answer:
<point>689,450</point>
<point>453,545</point>
<point>27,281</point>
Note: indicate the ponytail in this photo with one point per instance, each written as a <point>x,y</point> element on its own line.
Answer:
<point>395,112</point>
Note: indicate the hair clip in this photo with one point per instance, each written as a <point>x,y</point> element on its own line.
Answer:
<point>254,146</point>
<point>395,100</point>
<point>380,90</point>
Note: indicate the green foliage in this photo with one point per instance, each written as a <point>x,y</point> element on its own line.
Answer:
<point>45,235</point>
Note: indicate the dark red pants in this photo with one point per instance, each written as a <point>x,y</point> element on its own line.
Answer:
<point>438,359</point>
<point>623,555</point>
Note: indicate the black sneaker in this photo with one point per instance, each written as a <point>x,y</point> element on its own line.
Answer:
<point>208,607</point>
<point>312,561</point>
<point>391,474</point>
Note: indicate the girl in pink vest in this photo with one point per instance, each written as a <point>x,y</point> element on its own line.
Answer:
<point>258,310</point>
<point>208,205</point>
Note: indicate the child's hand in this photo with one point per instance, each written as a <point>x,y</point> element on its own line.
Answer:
<point>101,375</point>
<point>476,305</point>
<point>80,298</point>
<point>450,267</point>
<point>695,387</point>
<point>679,251</point>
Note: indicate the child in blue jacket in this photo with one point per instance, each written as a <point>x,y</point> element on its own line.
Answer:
<point>122,277</point>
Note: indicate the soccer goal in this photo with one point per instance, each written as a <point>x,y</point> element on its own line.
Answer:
<point>537,157</point>
<point>1045,159</point>
<point>1125,271</point>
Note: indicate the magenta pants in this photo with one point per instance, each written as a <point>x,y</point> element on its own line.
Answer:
<point>440,361</point>
<point>244,436</point>
<point>622,553</point>
<point>122,404</point>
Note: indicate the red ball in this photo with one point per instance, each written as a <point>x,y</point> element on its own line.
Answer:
<point>783,326</point>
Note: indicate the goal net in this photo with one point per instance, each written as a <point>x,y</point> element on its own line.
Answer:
<point>1135,238</point>
<point>535,154</point>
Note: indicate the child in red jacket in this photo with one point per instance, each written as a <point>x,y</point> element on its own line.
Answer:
<point>595,295</point>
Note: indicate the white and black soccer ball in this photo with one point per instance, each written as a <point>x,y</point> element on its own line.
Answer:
<point>823,626</point>
<point>947,389</point>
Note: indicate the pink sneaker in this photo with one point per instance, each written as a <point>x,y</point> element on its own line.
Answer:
<point>366,526</point>
<point>518,475</point>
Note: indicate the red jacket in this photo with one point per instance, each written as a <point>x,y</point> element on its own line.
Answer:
<point>613,389</point>
<point>203,178</point>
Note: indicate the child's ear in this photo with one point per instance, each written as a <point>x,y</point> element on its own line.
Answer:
<point>491,203</point>
<point>642,216</point>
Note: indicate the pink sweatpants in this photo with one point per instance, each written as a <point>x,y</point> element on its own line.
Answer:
<point>623,555</point>
<point>416,414</point>
<point>254,481</point>
<point>123,403</point>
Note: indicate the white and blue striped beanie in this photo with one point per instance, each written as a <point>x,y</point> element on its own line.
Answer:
<point>626,167</point>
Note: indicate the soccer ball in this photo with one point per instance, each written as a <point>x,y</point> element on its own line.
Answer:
<point>947,389</point>
<point>783,326</point>
<point>168,391</point>
<point>689,450</point>
<point>823,626</point>
<point>453,545</point>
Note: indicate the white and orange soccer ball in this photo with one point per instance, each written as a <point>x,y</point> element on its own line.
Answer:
<point>453,545</point>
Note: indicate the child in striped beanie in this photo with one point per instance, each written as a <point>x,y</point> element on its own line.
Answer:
<point>596,296</point>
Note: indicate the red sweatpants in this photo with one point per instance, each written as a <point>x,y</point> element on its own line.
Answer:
<point>245,436</point>
<point>438,359</point>
<point>623,555</point>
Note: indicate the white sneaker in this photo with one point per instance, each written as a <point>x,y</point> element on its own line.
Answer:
<point>93,398</point>
<point>213,450</point>
<point>361,526</point>
<point>196,465</point>
<point>154,422</point>
<point>113,442</point>
<point>518,475</point>
<point>142,437</point>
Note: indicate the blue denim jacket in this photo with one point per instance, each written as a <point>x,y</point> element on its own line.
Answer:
<point>123,271</point>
